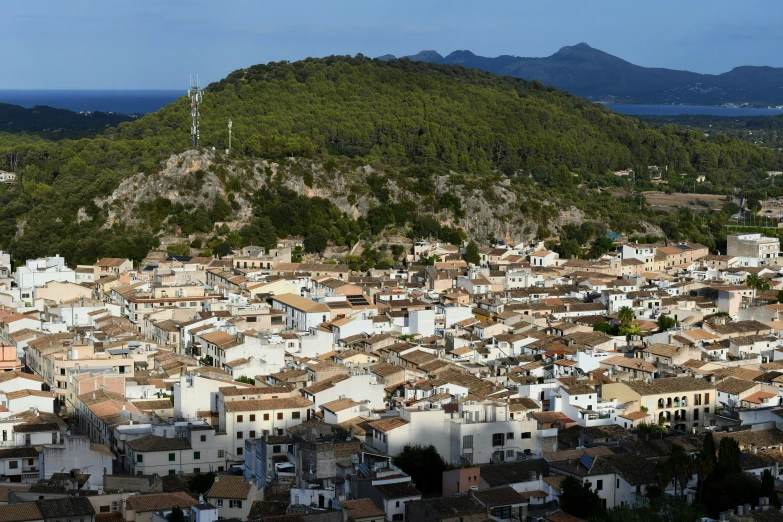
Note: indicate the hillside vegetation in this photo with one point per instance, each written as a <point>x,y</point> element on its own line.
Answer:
<point>434,138</point>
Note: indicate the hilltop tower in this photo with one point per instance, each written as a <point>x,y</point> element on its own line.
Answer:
<point>195,99</point>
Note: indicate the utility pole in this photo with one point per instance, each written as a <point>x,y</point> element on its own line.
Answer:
<point>230,124</point>
<point>195,98</point>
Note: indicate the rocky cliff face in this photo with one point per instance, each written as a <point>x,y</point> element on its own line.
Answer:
<point>198,178</point>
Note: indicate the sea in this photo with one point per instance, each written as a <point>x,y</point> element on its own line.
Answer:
<point>675,110</point>
<point>143,102</point>
<point>122,102</point>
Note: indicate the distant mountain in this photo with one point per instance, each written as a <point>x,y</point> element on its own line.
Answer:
<point>599,76</point>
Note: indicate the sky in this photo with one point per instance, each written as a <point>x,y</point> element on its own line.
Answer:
<point>158,44</point>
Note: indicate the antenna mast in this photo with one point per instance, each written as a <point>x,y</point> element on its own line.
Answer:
<point>230,124</point>
<point>195,98</point>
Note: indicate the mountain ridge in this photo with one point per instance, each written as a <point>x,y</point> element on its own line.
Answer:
<point>599,76</point>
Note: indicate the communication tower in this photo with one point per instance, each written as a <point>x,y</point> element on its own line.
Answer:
<point>195,98</point>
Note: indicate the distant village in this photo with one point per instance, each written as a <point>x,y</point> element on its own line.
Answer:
<point>297,384</point>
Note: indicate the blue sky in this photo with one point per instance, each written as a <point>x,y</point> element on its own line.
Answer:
<point>157,44</point>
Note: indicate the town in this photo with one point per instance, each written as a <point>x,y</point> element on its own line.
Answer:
<point>256,388</point>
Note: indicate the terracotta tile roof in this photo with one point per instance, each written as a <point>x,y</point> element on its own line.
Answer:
<point>759,397</point>
<point>229,486</point>
<point>734,386</point>
<point>669,385</point>
<point>340,405</point>
<point>156,501</point>
<point>157,443</point>
<point>6,488</point>
<point>20,512</point>
<point>268,404</point>
<point>388,424</point>
<point>363,508</point>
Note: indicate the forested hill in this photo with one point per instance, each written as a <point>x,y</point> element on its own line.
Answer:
<point>409,119</point>
<point>56,123</point>
<point>450,117</point>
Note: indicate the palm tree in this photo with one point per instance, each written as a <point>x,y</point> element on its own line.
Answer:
<point>680,465</point>
<point>757,282</point>
<point>625,315</point>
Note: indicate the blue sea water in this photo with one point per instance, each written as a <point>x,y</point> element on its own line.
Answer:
<point>146,101</point>
<point>674,110</point>
<point>124,102</point>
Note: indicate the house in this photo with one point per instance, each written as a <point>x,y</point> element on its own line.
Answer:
<point>233,496</point>
<point>140,508</point>
<point>198,453</point>
<point>363,510</point>
<point>619,479</point>
<point>544,258</point>
<point>301,313</point>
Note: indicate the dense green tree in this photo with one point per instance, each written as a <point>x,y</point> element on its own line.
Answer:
<point>178,249</point>
<point>245,379</point>
<point>316,240</point>
<point>176,515</point>
<point>665,322</point>
<point>472,255</point>
<point>425,466</point>
<point>579,500</point>
<point>728,457</point>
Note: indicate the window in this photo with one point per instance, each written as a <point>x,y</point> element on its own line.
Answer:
<point>13,464</point>
<point>203,438</point>
<point>139,457</point>
<point>618,483</point>
<point>638,490</point>
<point>503,512</point>
<point>252,418</point>
<point>706,398</point>
<point>280,415</point>
<point>397,504</point>
<point>196,470</point>
<point>497,439</point>
<point>526,434</point>
<point>239,434</point>
<point>599,485</point>
<point>221,454</point>
<point>509,436</point>
<point>266,416</point>
<point>696,414</point>
<point>172,457</point>
<point>239,418</point>
<point>295,414</point>
<point>467,441</point>
<point>220,502</point>
<point>172,472</point>
<point>509,454</point>
<point>235,504</point>
<point>196,455</point>
<point>252,434</point>
<point>239,451</point>
<point>276,449</point>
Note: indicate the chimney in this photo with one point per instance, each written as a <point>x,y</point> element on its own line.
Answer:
<point>93,395</point>
<point>747,509</point>
<point>123,407</point>
<point>532,475</point>
<point>740,510</point>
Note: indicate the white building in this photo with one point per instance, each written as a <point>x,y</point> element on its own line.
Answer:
<point>37,272</point>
